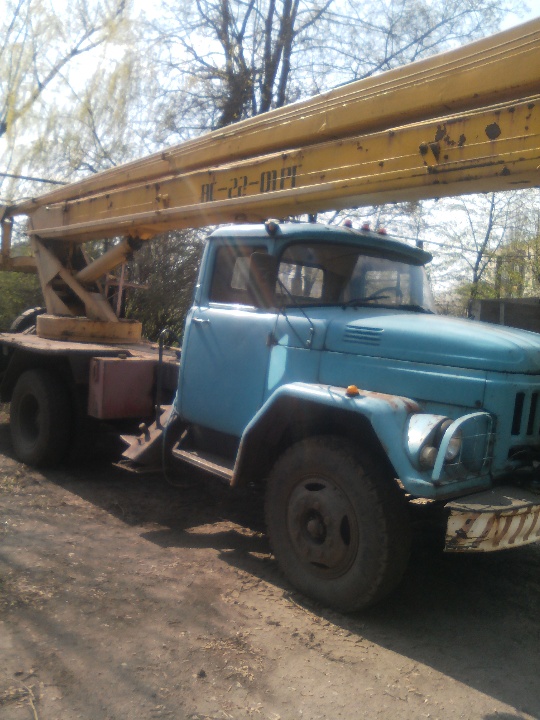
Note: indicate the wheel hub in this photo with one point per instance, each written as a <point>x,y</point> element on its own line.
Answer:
<point>322,527</point>
<point>316,529</point>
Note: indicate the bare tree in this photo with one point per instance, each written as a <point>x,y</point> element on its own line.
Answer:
<point>225,60</point>
<point>472,231</point>
<point>228,59</point>
<point>198,65</point>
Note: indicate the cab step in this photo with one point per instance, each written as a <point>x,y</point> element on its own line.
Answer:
<point>214,464</point>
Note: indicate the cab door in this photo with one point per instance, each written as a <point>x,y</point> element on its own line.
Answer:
<point>226,349</point>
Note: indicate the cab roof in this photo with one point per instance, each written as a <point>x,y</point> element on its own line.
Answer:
<point>290,231</point>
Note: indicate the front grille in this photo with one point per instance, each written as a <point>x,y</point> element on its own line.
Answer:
<point>532,414</point>
<point>526,418</point>
<point>518,413</point>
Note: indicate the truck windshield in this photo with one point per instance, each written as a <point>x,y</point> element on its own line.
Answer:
<point>329,274</point>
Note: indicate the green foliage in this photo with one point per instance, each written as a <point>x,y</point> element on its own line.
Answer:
<point>42,48</point>
<point>168,268</point>
<point>18,292</point>
<point>517,265</point>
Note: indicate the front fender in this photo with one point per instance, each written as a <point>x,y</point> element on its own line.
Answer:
<point>376,420</point>
<point>385,414</point>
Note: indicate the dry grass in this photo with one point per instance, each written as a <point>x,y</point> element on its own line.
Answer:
<point>13,694</point>
<point>10,480</point>
<point>18,695</point>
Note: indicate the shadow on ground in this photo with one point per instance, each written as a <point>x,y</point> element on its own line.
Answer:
<point>475,618</point>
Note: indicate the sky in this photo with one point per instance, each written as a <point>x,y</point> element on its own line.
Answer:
<point>533,12</point>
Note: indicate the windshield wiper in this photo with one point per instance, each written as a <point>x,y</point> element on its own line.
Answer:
<point>307,344</point>
<point>364,302</point>
<point>360,302</point>
<point>416,308</point>
<point>300,306</point>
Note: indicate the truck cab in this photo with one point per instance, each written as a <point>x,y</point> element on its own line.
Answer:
<point>309,348</point>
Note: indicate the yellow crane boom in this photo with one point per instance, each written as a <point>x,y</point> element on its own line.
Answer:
<point>493,149</point>
<point>494,70</point>
<point>464,121</point>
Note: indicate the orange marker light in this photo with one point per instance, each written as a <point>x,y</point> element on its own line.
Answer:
<point>352,391</point>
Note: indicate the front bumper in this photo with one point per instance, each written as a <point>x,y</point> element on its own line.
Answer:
<point>502,518</point>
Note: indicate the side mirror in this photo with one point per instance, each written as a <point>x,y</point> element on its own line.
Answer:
<point>263,270</point>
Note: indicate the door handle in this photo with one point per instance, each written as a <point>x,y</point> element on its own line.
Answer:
<point>201,321</point>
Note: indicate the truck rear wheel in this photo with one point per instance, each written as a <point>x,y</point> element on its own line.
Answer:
<point>339,529</point>
<point>40,418</point>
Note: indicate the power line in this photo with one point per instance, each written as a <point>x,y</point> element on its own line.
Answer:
<point>33,179</point>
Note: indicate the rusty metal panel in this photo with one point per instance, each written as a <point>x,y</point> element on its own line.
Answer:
<point>496,520</point>
<point>145,448</point>
<point>84,329</point>
<point>121,388</point>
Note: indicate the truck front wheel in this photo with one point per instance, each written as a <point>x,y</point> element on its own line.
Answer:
<point>339,529</point>
<point>40,418</point>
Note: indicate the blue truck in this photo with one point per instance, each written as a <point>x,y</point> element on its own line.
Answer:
<point>313,361</point>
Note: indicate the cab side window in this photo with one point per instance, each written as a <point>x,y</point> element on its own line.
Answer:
<point>231,274</point>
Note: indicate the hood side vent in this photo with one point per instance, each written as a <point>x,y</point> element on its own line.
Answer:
<point>363,335</point>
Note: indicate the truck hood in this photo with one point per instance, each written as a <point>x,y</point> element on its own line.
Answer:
<point>435,339</point>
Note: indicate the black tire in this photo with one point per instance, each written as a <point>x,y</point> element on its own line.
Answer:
<point>40,418</point>
<point>26,321</point>
<point>339,528</point>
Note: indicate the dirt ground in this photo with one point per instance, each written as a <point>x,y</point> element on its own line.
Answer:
<point>124,598</point>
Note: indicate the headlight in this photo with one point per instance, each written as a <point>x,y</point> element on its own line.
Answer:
<point>422,439</point>
<point>454,444</point>
<point>454,447</point>
<point>450,448</point>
